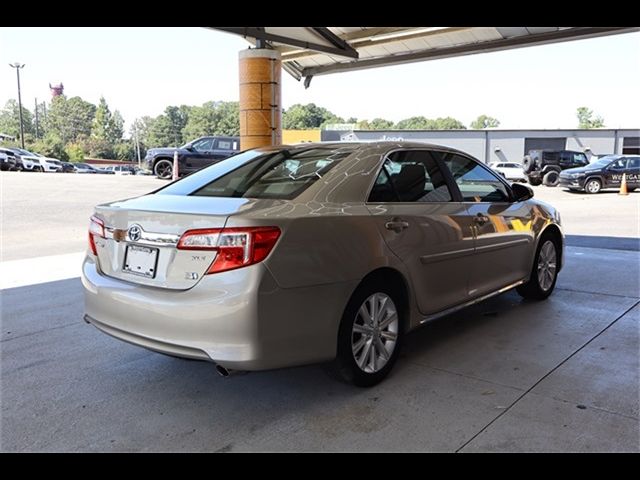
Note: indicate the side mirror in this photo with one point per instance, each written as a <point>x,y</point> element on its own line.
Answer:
<point>521,192</point>
<point>189,147</point>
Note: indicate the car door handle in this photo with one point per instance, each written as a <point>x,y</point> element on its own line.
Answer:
<point>396,225</point>
<point>480,219</point>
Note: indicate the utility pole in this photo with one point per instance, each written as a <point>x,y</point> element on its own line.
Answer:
<point>36,113</point>
<point>18,66</point>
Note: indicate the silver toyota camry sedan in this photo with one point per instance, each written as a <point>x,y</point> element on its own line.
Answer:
<point>326,252</point>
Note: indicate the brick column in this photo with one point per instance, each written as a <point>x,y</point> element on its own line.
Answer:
<point>260,92</point>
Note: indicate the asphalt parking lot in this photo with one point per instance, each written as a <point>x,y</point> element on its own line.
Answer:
<point>504,375</point>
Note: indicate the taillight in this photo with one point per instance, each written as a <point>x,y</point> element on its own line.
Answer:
<point>235,247</point>
<point>96,227</point>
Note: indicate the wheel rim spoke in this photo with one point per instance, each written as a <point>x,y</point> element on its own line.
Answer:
<point>375,332</point>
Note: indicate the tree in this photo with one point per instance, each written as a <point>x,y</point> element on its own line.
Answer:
<point>213,118</point>
<point>414,123</point>
<point>106,132</point>
<point>50,146</point>
<point>10,120</point>
<point>302,117</point>
<point>70,119</point>
<point>586,120</point>
<point>380,124</point>
<point>485,121</point>
<point>447,123</point>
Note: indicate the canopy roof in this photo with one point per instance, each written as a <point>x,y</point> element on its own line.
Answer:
<point>309,51</point>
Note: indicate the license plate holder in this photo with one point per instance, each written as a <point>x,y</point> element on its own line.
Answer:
<point>141,261</point>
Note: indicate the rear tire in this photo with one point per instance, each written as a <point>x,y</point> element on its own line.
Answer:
<point>370,335</point>
<point>551,179</point>
<point>534,181</point>
<point>544,273</point>
<point>593,185</point>
<point>528,164</point>
<point>163,169</point>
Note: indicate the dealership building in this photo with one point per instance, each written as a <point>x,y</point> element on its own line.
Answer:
<point>496,145</point>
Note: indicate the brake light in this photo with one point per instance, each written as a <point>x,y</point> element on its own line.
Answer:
<point>235,247</point>
<point>96,227</point>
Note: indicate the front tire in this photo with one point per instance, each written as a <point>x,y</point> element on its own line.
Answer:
<point>370,335</point>
<point>163,169</point>
<point>544,273</point>
<point>535,181</point>
<point>551,179</point>
<point>593,185</point>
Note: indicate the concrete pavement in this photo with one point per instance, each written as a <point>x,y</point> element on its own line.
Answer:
<point>505,375</point>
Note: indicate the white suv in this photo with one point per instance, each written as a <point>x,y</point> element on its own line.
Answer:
<point>509,170</point>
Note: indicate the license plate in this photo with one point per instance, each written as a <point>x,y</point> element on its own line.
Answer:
<point>141,261</point>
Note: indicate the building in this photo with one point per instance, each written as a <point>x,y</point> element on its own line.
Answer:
<point>510,145</point>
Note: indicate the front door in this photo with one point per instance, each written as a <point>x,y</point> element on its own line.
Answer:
<point>503,229</point>
<point>421,223</point>
<point>201,154</point>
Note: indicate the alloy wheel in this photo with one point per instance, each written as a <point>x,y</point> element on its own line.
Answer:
<point>375,332</point>
<point>547,265</point>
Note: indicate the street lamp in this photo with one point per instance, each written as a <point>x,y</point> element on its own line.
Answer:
<point>18,66</point>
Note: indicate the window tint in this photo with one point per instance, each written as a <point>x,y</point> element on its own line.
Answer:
<point>203,145</point>
<point>410,176</point>
<point>634,162</point>
<point>619,164</point>
<point>476,183</point>
<point>224,144</point>
<point>280,175</point>
<point>580,158</point>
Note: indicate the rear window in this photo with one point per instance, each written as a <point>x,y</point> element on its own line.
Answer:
<point>281,174</point>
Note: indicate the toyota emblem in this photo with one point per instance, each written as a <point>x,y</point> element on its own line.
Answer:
<point>135,232</point>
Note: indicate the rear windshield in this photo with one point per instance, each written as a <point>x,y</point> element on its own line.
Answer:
<point>279,175</point>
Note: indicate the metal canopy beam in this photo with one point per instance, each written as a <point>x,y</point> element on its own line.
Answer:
<point>487,46</point>
<point>255,32</point>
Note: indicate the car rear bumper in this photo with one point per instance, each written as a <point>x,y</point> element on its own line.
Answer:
<point>239,319</point>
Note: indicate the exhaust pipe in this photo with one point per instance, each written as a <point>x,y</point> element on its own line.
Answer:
<point>223,372</point>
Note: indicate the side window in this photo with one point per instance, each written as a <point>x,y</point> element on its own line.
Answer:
<point>411,176</point>
<point>224,144</point>
<point>204,145</point>
<point>476,183</point>
<point>580,159</point>
<point>620,164</point>
<point>634,162</point>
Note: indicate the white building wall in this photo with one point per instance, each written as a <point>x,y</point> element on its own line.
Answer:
<point>503,145</point>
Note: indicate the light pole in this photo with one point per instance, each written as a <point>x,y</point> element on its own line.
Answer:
<point>18,66</point>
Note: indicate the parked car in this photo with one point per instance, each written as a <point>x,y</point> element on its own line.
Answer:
<point>121,169</point>
<point>36,162</point>
<point>192,156</point>
<point>544,166</point>
<point>65,167</point>
<point>8,160</point>
<point>604,173</point>
<point>314,252</point>
<point>509,170</point>
<point>88,168</point>
<point>24,160</point>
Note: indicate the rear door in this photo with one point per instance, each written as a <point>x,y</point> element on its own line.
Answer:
<point>224,148</point>
<point>504,229</point>
<point>633,171</point>
<point>422,223</point>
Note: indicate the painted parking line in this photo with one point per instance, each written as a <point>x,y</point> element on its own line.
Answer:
<point>33,271</point>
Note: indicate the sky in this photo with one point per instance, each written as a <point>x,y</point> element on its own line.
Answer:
<point>140,71</point>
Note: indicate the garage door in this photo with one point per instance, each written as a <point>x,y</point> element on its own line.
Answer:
<point>544,143</point>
